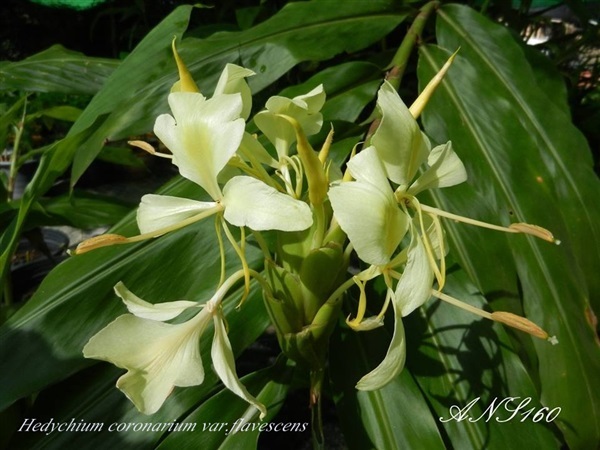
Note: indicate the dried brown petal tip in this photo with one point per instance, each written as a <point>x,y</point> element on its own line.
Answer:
<point>534,230</point>
<point>103,240</point>
<point>520,323</point>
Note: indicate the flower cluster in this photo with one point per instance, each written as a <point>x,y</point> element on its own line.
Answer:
<point>372,210</point>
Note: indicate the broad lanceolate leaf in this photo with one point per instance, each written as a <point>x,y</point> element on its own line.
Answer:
<point>457,358</point>
<point>57,70</point>
<point>526,163</point>
<point>396,416</point>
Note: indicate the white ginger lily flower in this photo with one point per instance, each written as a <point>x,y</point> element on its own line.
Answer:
<point>159,356</point>
<point>203,135</point>
<point>376,218</point>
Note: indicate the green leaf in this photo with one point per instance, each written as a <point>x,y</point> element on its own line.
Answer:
<point>132,91</point>
<point>122,156</point>
<point>53,163</point>
<point>456,358</point>
<point>65,112</point>
<point>84,210</point>
<point>301,31</point>
<point>57,70</point>
<point>526,163</point>
<point>396,416</point>
<point>349,87</point>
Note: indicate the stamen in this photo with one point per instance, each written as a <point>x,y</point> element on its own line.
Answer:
<point>148,148</point>
<point>520,227</point>
<point>520,323</point>
<point>221,247</point>
<point>510,319</point>
<point>534,230</point>
<point>460,304</point>
<point>284,173</point>
<point>439,275</point>
<point>240,252</point>
<point>104,240</point>
<point>362,305</point>
<point>153,234</point>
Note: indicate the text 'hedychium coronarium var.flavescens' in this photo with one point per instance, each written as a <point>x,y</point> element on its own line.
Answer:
<point>320,220</point>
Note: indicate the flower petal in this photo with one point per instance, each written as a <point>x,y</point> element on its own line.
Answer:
<point>157,356</point>
<point>224,365</point>
<point>157,311</point>
<point>371,219</point>
<point>400,144</point>
<point>162,211</point>
<point>445,169</point>
<point>252,203</point>
<point>252,148</point>
<point>233,80</point>
<point>392,364</point>
<point>414,287</point>
<point>304,108</point>
<point>203,135</point>
<point>367,167</point>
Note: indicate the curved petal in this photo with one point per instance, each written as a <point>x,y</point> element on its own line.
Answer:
<point>277,130</point>
<point>367,167</point>
<point>232,81</point>
<point>157,356</point>
<point>157,311</point>
<point>314,100</point>
<point>414,287</point>
<point>224,365</point>
<point>252,203</point>
<point>304,108</point>
<point>162,211</point>
<point>202,135</point>
<point>445,169</point>
<point>400,144</point>
<point>392,364</point>
<point>371,219</point>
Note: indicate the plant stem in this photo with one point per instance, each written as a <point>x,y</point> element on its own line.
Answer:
<point>14,157</point>
<point>412,38</point>
<point>316,385</point>
<point>400,59</point>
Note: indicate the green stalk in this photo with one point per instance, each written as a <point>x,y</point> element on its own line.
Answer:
<point>412,38</point>
<point>400,59</point>
<point>14,157</point>
<point>316,385</point>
